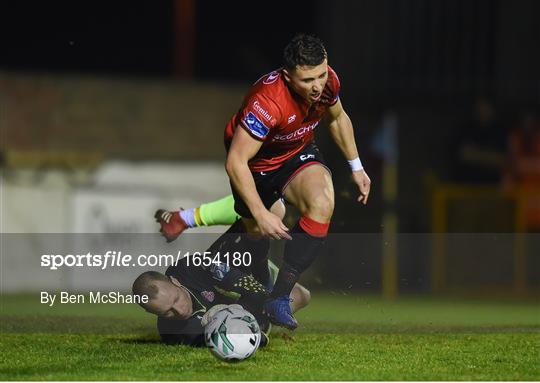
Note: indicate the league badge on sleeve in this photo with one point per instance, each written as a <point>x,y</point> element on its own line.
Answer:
<point>271,78</point>
<point>255,126</point>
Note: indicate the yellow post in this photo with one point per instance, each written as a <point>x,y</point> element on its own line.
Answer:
<point>386,144</point>
<point>390,228</point>
<point>520,254</point>
<point>438,222</point>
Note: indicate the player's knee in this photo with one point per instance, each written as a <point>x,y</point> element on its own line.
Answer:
<point>321,208</point>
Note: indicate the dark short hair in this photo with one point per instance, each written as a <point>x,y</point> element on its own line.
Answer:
<point>145,284</point>
<point>303,50</point>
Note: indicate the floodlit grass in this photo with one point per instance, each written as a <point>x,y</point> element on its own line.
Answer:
<point>341,338</point>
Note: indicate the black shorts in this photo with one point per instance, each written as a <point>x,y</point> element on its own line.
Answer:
<point>270,185</point>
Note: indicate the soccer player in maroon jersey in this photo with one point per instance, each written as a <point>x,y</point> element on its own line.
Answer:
<point>271,153</point>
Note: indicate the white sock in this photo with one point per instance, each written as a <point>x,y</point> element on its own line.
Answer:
<point>189,217</point>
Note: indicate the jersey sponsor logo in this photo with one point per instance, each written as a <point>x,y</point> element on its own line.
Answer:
<point>256,126</point>
<point>297,134</point>
<point>208,295</point>
<point>261,111</point>
<point>304,157</point>
<point>272,77</point>
<point>291,119</point>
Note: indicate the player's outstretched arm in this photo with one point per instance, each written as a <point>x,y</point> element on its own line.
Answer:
<point>243,148</point>
<point>342,132</point>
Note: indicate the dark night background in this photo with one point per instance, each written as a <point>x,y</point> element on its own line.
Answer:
<point>428,62</point>
<point>136,38</point>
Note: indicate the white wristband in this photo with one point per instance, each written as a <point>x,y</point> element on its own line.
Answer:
<point>356,164</point>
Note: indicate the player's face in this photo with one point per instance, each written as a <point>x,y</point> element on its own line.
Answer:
<point>308,81</point>
<point>172,301</point>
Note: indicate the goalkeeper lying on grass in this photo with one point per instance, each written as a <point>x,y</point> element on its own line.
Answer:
<point>187,295</point>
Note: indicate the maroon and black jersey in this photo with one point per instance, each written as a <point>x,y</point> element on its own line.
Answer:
<point>273,113</point>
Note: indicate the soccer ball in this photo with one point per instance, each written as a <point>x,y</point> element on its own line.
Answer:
<point>232,334</point>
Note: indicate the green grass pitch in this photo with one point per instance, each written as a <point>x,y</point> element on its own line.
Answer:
<point>342,337</point>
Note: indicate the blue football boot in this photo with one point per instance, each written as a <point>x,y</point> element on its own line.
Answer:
<point>279,312</point>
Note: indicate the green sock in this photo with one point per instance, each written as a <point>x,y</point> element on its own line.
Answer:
<point>220,212</point>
